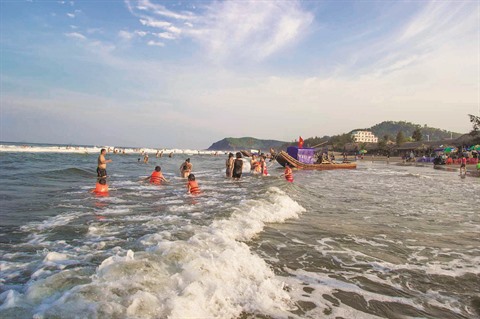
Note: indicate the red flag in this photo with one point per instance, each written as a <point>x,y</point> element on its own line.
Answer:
<point>300,142</point>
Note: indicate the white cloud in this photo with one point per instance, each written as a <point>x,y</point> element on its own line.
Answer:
<point>141,33</point>
<point>155,43</point>
<point>71,15</point>
<point>156,9</point>
<point>125,35</point>
<point>165,35</point>
<point>76,35</point>
<point>248,29</point>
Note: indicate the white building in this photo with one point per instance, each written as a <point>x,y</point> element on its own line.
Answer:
<point>364,136</point>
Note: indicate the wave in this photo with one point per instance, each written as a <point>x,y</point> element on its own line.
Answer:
<point>212,274</point>
<point>96,150</point>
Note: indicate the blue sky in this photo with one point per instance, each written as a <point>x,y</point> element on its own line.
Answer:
<point>186,74</point>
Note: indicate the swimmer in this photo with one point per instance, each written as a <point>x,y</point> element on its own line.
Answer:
<point>192,185</point>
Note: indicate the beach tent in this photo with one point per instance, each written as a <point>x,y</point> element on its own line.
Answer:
<point>449,149</point>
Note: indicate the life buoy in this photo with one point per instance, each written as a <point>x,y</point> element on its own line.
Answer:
<point>156,178</point>
<point>194,189</point>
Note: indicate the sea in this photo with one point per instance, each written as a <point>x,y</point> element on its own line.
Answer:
<point>380,241</point>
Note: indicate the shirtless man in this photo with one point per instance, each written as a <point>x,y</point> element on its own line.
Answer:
<point>186,168</point>
<point>229,165</point>
<point>102,165</point>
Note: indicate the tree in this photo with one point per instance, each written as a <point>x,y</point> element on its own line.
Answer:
<point>400,138</point>
<point>417,135</point>
<point>476,124</point>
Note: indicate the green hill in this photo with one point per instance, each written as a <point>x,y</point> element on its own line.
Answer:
<point>391,129</point>
<point>244,143</point>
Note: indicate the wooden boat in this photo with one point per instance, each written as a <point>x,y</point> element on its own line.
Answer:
<point>283,158</point>
<point>246,153</point>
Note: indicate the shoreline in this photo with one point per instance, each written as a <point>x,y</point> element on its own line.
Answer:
<point>471,168</point>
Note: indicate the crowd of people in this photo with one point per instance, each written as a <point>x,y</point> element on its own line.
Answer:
<point>234,169</point>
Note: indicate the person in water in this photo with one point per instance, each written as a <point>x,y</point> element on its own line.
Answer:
<point>463,165</point>
<point>288,173</point>
<point>102,165</point>
<point>229,165</point>
<point>255,165</point>
<point>101,187</point>
<point>192,185</point>
<point>237,166</point>
<point>157,176</point>
<point>186,168</point>
<point>263,165</point>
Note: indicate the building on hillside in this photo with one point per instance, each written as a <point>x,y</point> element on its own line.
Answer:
<point>364,137</point>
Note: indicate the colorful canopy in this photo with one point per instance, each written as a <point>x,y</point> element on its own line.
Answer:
<point>449,149</point>
<point>362,151</point>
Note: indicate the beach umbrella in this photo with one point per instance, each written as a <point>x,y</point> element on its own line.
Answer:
<point>363,151</point>
<point>449,149</point>
<point>475,148</point>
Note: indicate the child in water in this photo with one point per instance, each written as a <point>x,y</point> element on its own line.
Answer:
<point>192,185</point>
<point>101,187</point>
<point>288,173</point>
<point>157,176</point>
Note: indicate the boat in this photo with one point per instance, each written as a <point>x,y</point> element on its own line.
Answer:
<point>246,153</point>
<point>283,158</point>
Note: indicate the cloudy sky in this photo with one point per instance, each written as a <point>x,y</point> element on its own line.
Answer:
<point>186,74</point>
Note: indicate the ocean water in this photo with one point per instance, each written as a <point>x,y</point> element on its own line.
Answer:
<point>381,241</point>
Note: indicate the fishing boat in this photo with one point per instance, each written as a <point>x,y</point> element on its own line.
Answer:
<point>284,158</point>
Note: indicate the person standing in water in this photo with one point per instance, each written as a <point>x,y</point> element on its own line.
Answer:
<point>463,165</point>
<point>237,166</point>
<point>229,165</point>
<point>102,165</point>
<point>186,168</point>
<point>263,165</point>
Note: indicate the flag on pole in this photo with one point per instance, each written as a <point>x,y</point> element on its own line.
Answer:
<point>300,142</point>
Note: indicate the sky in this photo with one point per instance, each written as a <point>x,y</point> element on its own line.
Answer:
<point>186,74</point>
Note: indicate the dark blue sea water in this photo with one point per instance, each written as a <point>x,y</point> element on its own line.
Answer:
<point>381,241</point>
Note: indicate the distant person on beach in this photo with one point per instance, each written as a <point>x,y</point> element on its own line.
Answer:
<point>229,165</point>
<point>192,185</point>
<point>157,176</point>
<point>237,166</point>
<point>145,158</point>
<point>102,165</point>
<point>186,168</point>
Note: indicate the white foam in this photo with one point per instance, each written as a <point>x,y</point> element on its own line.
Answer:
<point>96,150</point>
<point>213,274</point>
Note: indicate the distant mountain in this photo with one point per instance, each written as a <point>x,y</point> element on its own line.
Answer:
<point>391,129</point>
<point>244,143</point>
